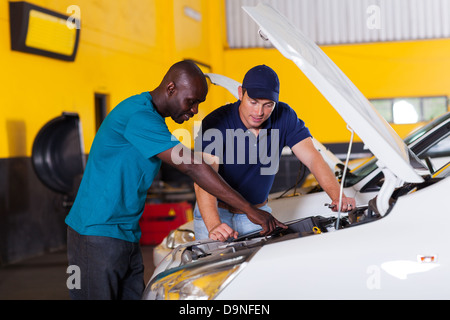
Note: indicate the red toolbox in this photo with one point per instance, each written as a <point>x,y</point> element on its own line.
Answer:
<point>159,219</point>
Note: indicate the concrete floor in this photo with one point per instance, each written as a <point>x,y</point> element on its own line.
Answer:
<point>44,277</point>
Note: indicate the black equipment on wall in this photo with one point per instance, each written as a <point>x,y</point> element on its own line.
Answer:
<point>58,154</point>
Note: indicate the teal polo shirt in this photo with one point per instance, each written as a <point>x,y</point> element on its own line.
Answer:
<point>121,167</point>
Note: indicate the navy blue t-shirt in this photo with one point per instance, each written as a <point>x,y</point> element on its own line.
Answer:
<point>249,163</point>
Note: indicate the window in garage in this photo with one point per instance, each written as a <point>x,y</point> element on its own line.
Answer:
<point>101,104</point>
<point>410,110</point>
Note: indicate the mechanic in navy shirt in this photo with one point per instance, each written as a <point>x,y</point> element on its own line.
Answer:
<point>243,142</point>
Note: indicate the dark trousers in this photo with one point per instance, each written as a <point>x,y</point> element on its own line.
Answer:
<point>109,268</point>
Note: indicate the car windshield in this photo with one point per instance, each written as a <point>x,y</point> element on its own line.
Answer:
<point>370,165</point>
<point>361,171</point>
<point>416,134</point>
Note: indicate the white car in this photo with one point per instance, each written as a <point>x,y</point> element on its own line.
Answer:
<point>394,245</point>
<point>431,143</point>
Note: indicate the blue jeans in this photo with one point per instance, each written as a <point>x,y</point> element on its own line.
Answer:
<point>110,268</point>
<point>237,221</point>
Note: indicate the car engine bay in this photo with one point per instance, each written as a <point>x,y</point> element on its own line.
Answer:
<point>305,227</point>
<point>208,250</point>
<point>313,225</point>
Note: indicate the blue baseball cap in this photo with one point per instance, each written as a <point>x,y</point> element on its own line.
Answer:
<point>261,82</point>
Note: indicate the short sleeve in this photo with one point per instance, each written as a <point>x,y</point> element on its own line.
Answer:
<point>149,134</point>
<point>296,129</point>
<point>210,139</point>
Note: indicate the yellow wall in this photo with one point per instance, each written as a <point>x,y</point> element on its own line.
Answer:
<point>379,70</point>
<point>126,47</point>
<point>117,47</point>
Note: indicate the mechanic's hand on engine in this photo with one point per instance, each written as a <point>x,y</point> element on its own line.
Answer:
<point>348,204</point>
<point>222,232</point>
<point>265,220</point>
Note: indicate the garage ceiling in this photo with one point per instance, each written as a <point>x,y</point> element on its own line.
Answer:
<point>330,22</point>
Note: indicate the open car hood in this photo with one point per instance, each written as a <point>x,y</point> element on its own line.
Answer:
<point>341,93</point>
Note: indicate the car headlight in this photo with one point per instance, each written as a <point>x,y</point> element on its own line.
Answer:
<point>202,280</point>
<point>178,237</point>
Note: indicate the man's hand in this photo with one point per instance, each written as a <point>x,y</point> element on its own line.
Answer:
<point>265,220</point>
<point>348,204</point>
<point>222,232</point>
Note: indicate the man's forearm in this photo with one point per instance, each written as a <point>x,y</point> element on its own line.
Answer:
<point>310,157</point>
<point>203,175</point>
<point>331,186</point>
<point>326,179</point>
<point>207,179</point>
<point>207,205</point>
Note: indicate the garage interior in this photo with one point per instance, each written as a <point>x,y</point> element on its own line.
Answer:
<point>56,95</point>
